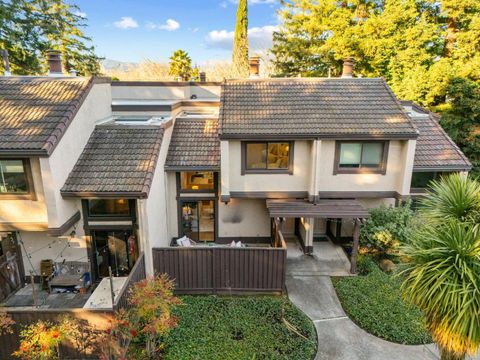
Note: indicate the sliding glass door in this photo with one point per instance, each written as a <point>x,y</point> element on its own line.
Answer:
<point>114,248</point>
<point>198,219</point>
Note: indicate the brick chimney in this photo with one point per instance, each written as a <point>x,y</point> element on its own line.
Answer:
<point>203,76</point>
<point>348,63</point>
<point>54,59</point>
<point>254,66</point>
<point>6,63</point>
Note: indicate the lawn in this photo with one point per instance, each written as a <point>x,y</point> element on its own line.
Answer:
<point>215,327</point>
<point>374,302</point>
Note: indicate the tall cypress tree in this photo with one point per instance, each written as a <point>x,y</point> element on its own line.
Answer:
<point>240,41</point>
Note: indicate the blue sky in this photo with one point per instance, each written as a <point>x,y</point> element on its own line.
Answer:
<point>134,30</point>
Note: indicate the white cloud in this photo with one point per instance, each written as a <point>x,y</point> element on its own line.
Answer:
<point>223,4</point>
<point>126,23</point>
<point>169,25</point>
<point>258,38</point>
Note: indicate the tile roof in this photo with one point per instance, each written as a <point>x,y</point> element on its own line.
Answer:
<point>117,161</point>
<point>435,150</point>
<point>194,144</point>
<point>36,111</point>
<point>328,107</point>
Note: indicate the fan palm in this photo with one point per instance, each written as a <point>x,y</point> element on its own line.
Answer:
<point>181,65</point>
<point>442,277</point>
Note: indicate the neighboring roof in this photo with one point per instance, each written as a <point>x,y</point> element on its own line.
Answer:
<point>303,108</point>
<point>322,209</point>
<point>36,111</point>
<point>194,144</point>
<point>435,151</point>
<point>117,161</point>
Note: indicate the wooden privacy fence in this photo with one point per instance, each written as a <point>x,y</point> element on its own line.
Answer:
<point>224,270</point>
<point>81,348</point>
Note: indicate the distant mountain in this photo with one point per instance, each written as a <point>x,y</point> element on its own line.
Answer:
<point>110,64</point>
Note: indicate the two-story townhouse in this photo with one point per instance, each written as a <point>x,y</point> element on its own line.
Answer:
<point>98,172</point>
<point>45,122</point>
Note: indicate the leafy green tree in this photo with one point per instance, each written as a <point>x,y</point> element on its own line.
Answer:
<point>442,276</point>
<point>240,41</point>
<point>30,27</point>
<point>461,118</point>
<point>181,65</point>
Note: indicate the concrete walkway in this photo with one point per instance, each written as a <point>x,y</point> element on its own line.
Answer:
<point>338,337</point>
<point>311,290</point>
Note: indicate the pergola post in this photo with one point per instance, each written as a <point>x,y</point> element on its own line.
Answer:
<point>356,243</point>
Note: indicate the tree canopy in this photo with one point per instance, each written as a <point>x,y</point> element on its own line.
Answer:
<point>240,41</point>
<point>421,47</point>
<point>30,27</point>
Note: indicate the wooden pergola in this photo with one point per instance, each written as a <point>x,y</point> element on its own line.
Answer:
<point>327,209</point>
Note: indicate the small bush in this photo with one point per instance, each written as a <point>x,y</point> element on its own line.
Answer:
<point>374,302</point>
<point>365,265</point>
<point>386,228</point>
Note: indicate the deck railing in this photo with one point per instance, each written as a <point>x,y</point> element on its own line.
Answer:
<point>95,317</point>
<point>223,269</point>
<point>136,274</point>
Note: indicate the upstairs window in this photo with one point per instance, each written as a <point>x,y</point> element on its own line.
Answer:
<point>201,181</point>
<point>361,157</point>
<point>109,207</point>
<point>14,176</point>
<point>267,157</point>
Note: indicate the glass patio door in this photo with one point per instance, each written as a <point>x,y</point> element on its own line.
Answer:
<point>198,220</point>
<point>112,249</point>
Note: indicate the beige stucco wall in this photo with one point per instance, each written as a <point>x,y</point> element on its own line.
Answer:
<point>243,218</point>
<point>153,213</point>
<point>26,214</point>
<point>57,167</point>
<point>171,203</point>
<point>165,92</point>
<point>299,181</point>
<point>398,170</point>
<point>42,247</point>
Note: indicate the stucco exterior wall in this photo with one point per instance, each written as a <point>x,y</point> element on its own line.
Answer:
<point>393,180</point>
<point>243,218</point>
<point>56,168</point>
<point>40,246</point>
<point>165,92</point>
<point>299,181</point>
<point>153,220</point>
<point>26,214</point>
<point>171,204</point>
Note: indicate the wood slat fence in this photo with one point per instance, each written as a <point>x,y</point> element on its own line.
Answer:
<point>80,348</point>
<point>223,270</point>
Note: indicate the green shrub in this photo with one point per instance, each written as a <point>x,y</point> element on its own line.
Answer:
<point>387,227</point>
<point>365,265</point>
<point>214,327</point>
<point>374,302</point>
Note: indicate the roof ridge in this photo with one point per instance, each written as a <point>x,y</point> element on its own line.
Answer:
<point>67,118</point>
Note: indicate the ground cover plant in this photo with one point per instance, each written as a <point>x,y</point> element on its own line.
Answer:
<point>261,327</point>
<point>373,300</point>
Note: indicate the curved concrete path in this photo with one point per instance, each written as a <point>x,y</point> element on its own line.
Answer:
<point>339,338</point>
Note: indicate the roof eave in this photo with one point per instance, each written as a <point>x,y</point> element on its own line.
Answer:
<point>192,168</point>
<point>442,168</point>
<point>398,136</point>
<point>23,152</point>
<point>105,194</point>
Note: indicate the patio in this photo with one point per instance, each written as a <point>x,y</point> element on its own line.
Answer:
<point>327,258</point>
<point>24,297</point>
